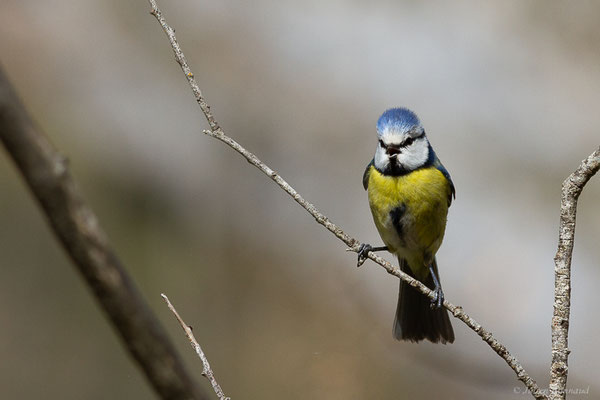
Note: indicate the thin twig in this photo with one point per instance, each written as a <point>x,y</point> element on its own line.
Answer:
<point>75,225</point>
<point>217,133</point>
<point>571,189</point>
<point>206,370</point>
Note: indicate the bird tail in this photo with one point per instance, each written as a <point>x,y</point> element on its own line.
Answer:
<point>415,319</point>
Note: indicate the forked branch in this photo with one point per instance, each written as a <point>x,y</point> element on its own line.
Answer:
<point>571,189</point>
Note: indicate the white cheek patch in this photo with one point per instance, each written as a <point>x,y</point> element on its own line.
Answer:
<point>415,155</point>
<point>381,160</point>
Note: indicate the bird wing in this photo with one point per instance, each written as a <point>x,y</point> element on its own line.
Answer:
<point>438,164</point>
<point>366,175</point>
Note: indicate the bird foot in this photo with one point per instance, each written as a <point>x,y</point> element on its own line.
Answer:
<point>438,300</point>
<point>363,251</point>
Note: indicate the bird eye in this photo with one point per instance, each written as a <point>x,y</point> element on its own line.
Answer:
<point>408,142</point>
<point>381,143</point>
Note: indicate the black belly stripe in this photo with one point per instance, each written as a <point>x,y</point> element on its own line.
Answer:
<point>396,214</point>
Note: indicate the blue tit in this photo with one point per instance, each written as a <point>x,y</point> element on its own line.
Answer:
<point>409,193</point>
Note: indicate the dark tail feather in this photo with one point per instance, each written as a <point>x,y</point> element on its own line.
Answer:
<point>415,319</point>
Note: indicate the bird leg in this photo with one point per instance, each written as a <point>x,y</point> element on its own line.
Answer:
<point>438,300</point>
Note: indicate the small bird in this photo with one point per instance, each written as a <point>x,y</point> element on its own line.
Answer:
<point>409,193</point>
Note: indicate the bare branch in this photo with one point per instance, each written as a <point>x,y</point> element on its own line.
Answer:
<point>571,189</point>
<point>217,133</point>
<point>206,370</point>
<point>77,228</point>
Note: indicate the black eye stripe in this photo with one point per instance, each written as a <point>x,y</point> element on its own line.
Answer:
<point>407,142</point>
<point>411,140</point>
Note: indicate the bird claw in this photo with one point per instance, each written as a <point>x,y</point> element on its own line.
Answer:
<point>363,251</point>
<point>438,300</point>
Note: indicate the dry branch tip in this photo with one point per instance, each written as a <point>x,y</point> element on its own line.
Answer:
<point>206,370</point>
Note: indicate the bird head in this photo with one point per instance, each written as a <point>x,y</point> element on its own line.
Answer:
<point>402,145</point>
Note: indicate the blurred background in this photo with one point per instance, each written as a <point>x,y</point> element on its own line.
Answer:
<point>507,91</point>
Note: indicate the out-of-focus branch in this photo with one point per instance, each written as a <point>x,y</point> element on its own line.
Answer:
<point>571,189</point>
<point>206,370</point>
<point>217,133</point>
<point>46,173</point>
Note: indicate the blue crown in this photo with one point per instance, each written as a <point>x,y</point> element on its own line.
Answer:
<point>398,119</point>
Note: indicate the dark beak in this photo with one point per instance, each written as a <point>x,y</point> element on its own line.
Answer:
<point>393,151</point>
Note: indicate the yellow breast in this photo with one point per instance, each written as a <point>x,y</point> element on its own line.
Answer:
<point>422,195</point>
